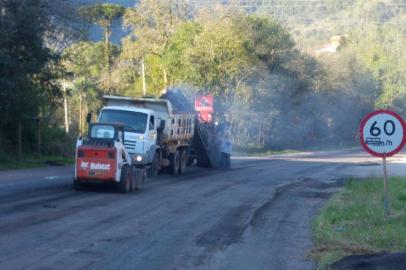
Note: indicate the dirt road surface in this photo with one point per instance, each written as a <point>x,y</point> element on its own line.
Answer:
<point>255,216</point>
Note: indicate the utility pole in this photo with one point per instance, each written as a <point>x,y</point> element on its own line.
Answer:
<point>80,113</point>
<point>65,102</point>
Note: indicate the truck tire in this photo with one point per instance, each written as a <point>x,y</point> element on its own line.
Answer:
<point>174,160</point>
<point>228,162</point>
<point>143,178</point>
<point>183,161</point>
<point>124,186</point>
<point>138,179</point>
<point>134,179</point>
<point>153,171</point>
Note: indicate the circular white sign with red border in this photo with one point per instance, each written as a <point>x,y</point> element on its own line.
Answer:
<point>383,133</point>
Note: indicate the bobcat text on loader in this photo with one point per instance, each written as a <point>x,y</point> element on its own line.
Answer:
<point>101,157</point>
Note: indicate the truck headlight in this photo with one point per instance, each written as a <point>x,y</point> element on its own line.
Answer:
<point>138,158</point>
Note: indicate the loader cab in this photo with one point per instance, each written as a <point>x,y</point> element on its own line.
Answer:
<point>104,135</point>
<point>106,131</point>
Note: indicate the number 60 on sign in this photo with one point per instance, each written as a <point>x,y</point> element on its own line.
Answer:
<point>383,133</point>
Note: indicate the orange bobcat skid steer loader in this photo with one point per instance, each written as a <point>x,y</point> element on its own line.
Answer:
<point>102,158</point>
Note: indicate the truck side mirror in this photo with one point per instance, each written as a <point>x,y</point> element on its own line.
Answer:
<point>89,117</point>
<point>161,125</point>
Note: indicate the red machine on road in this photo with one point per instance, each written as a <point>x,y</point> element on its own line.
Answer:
<point>204,108</point>
<point>102,157</point>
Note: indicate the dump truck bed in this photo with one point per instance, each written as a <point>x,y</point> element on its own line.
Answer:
<point>178,125</point>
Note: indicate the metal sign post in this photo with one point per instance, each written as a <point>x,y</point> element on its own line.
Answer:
<point>386,208</point>
<point>382,134</point>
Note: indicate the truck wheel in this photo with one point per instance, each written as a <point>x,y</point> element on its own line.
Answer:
<point>124,186</point>
<point>174,161</point>
<point>138,179</point>
<point>228,162</point>
<point>142,178</point>
<point>153,171</point>
<point>134,179</point>
<point>183,161</point>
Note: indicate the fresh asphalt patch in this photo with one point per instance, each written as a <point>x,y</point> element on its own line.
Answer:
<point>378,261</point>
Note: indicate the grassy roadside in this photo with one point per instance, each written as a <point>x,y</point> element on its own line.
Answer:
<point>352,221</point>
<point>33,161</point>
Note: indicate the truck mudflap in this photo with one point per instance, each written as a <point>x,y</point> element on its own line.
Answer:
<point>96,164</point>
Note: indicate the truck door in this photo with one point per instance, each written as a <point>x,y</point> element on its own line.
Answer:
<point>151,133</point>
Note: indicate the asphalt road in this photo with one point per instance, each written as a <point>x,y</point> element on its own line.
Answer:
<point>254,216</point>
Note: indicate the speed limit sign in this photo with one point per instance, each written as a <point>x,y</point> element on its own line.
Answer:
<point>383,133</point>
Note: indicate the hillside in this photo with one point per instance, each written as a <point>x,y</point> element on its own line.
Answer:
<point>310,22</point>
<point>317,21</point>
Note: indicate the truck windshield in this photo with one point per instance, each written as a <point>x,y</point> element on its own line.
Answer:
<point>135,121</point>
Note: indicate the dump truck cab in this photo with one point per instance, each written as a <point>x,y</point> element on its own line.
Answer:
<point>139,129</point>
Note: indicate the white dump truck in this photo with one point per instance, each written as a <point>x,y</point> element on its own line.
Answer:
<point>155,135</point>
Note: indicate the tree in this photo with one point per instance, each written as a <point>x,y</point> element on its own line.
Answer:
<point>266,40</point>
<point>84,61</point>
<point>28,69</point>
<point>174,57</point>
<point>218,59</point>
<point>103,15</point>
<point>378,48</point>
<point>152,24</point>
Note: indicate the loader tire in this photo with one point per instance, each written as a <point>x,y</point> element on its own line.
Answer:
<point>77,185</point>
<point>124,186</point>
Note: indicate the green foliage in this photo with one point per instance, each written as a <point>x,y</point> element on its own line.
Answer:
<point>152,24</point>
<point>84,59</point>
<point>174,56</point>
<point>28,69</point>
<point>380,52</point>
<point>102,14</point>
<point>33,161</point>
<point>218,59</point>
<point>55,142</point>
<point>266,40</point>
<point>84,62</point>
